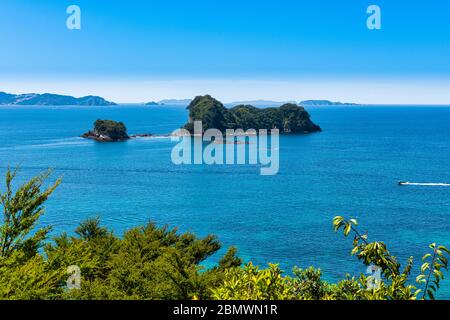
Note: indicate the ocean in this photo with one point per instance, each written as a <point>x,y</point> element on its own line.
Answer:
<point>352,168</point>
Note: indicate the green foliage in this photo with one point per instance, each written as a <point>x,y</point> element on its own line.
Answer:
<point>309,284</point>
<point>152,262</point>
<point>431,270</point>
<point>26,278</point>
<point>251,283</point>
<point>114,130</point>
<point>289,118</point>
<point>148,262</point>
<point>23,272</point>
<point>395,284</point>
<point>209,110</point>
<point>20,214</point>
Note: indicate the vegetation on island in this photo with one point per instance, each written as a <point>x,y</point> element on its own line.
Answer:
<point>151,262</point>
<point>289,118</point>
<point>107,130</point>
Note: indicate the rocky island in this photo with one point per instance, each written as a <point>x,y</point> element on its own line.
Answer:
<point>113,131</point>
<point>288,118</point>
<point>107,131</point>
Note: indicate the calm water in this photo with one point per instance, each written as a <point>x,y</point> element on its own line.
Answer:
<point>351,168</point>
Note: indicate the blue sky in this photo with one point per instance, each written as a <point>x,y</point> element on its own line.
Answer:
<point>158,48</point>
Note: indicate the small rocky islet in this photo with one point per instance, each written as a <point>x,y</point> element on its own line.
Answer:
<point>107,131</point>
<point>113,131</point>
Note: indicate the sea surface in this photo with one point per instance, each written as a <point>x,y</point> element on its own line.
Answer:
<point>352,168</point>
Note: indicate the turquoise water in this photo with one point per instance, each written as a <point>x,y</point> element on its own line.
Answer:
<point>352,168</point>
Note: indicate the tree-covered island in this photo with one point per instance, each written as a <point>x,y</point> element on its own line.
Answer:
<point>107,131</point>
<point>289,118</point>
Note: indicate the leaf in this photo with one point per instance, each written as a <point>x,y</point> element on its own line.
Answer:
<point>420,278</point>
<point>425,266</point>
<point>347,230</point>
<point>428,255</point>
<point>444,249</point>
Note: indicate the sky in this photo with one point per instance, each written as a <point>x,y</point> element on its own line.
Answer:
<point>138,51</point>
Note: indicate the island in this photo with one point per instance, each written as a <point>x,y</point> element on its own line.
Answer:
<point>107,131</point>
<point>260,103</point>
<point>175,102</point>
<point>311,103</point>
<point>152,103</point>
<point>288,118</point>
<point>48,99</point>
<point>114,131</point>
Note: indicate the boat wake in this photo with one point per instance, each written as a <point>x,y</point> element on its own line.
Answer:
<point>428,184</point>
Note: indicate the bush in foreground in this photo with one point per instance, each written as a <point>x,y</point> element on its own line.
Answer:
<point>152,262</point>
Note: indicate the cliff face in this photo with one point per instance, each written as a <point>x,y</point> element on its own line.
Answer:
<point>210,111</point>
<point>289,118</point>
<point>48,99</point>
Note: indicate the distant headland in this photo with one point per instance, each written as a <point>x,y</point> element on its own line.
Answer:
<point>310,103</point>
<point>48,99</point>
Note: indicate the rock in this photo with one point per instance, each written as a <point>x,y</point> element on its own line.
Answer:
<point>142,135</point>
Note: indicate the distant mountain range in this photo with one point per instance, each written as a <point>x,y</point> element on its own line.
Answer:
<point>48,99</point>
<point>256,103</point>
<point>261,103</point>
<point>324,103</point>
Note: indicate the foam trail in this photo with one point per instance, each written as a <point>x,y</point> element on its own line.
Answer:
<point>429,184</point>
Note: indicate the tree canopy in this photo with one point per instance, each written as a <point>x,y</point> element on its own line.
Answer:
<point>115,130</point>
